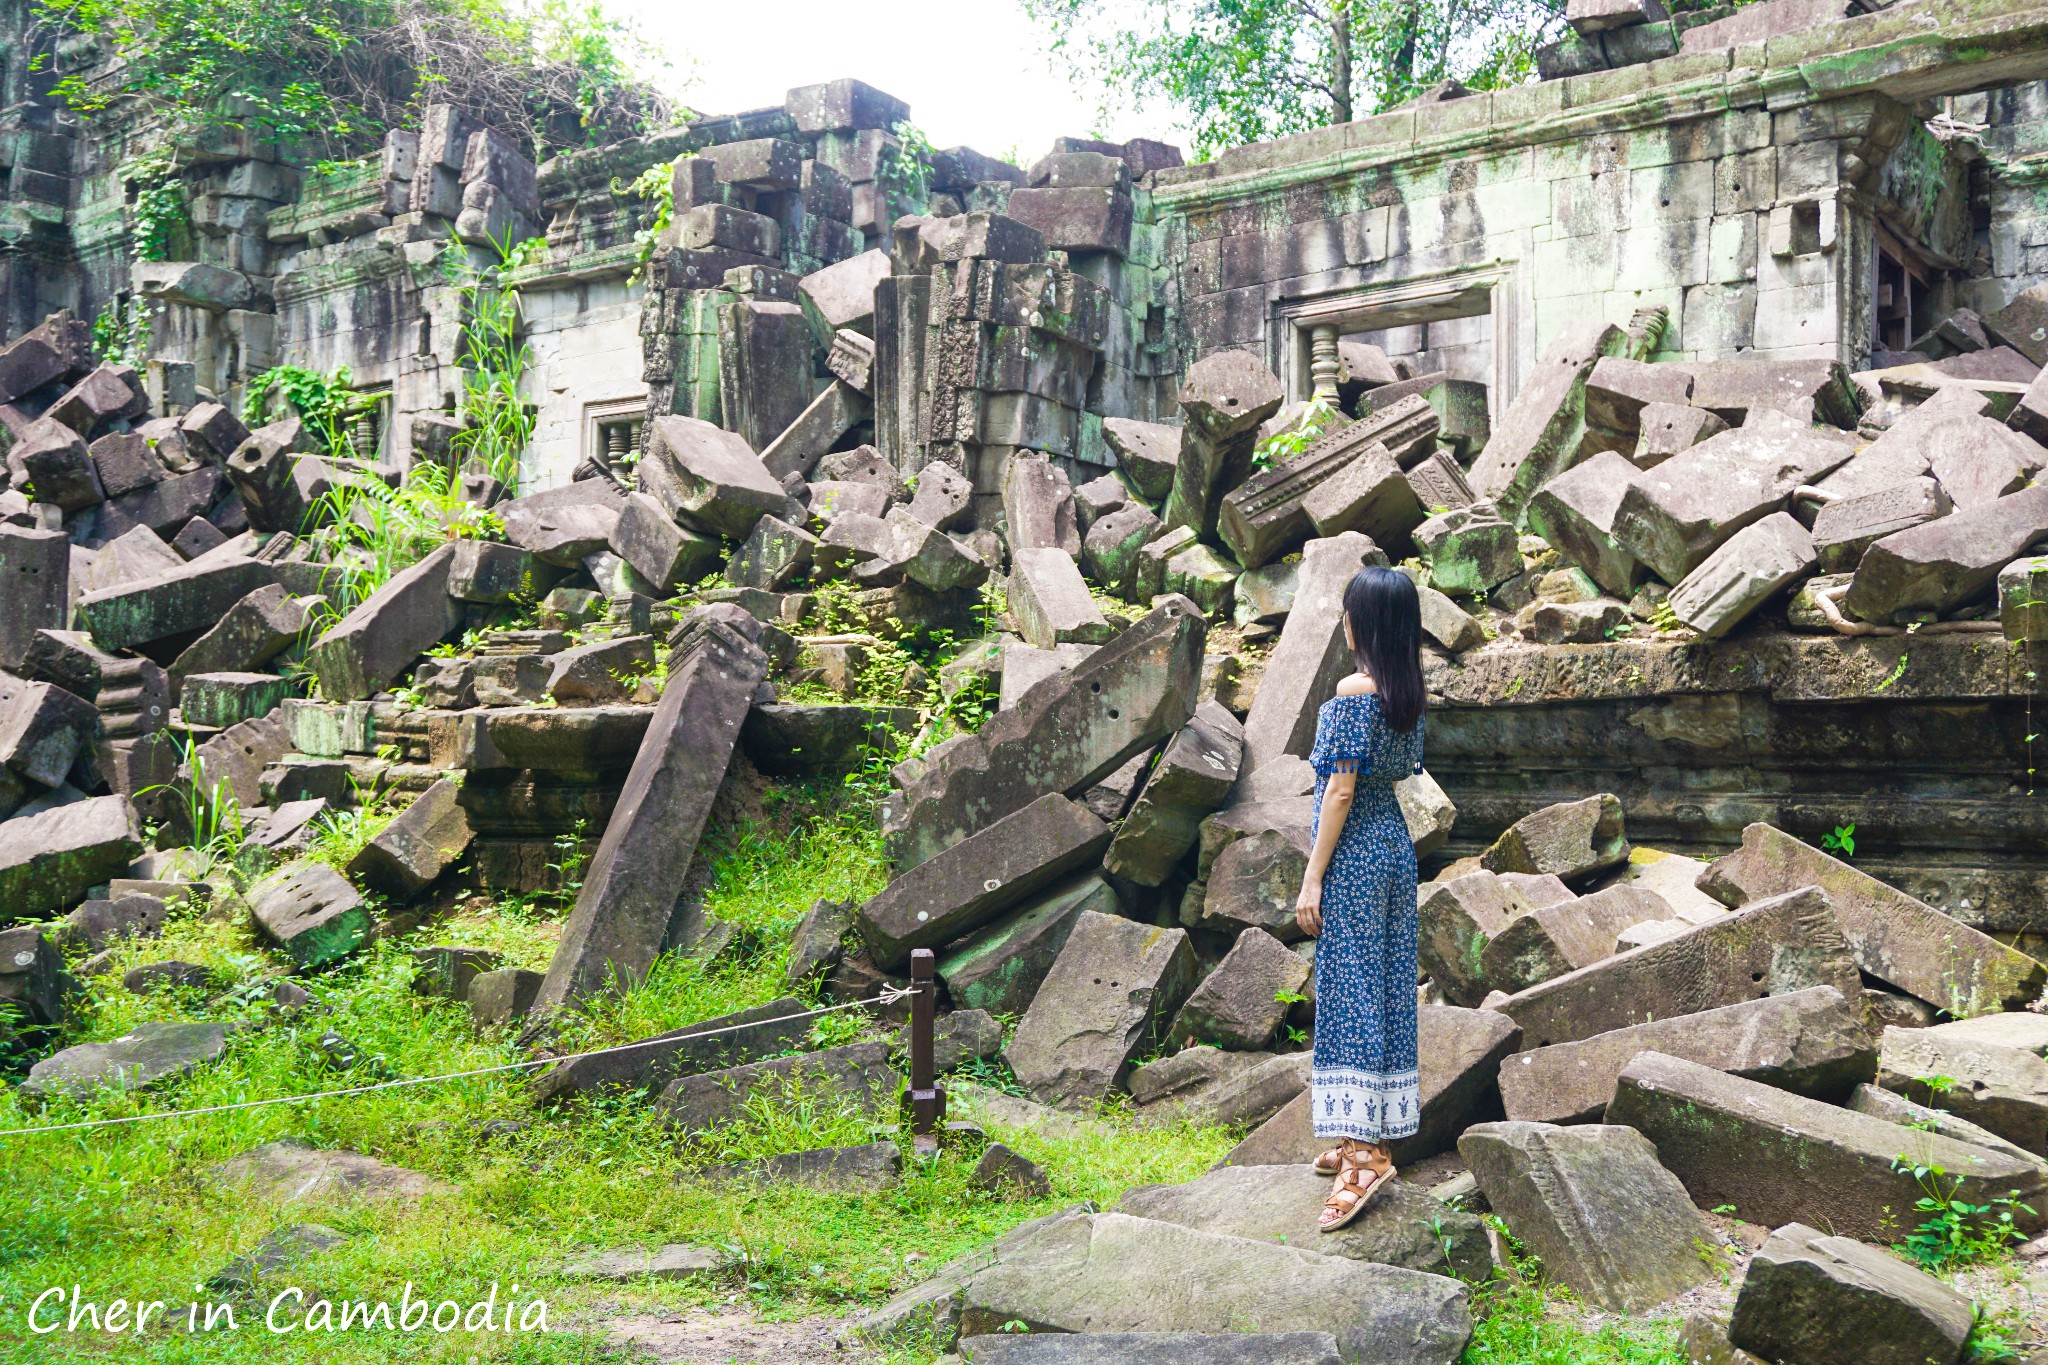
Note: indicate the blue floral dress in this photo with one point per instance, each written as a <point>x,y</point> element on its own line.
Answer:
<point>1365,1083</point>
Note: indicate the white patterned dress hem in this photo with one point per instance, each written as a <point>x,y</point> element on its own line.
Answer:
<point>1365,1106</point>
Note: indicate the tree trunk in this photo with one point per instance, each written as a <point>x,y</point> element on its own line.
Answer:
<point>1340,62</point>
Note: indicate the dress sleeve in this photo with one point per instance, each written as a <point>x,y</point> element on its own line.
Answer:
<point>1342,740</point>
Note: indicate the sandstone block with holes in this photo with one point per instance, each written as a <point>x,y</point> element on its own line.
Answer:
<point>1593,1202</point>
<point>1110,993</point>
<point>1812,1042</point>
<point>1191,778</point>
<point>965,886</point>
<point>311,913</point>
<point>1776,1157</point>
<point>1897,939</point>
<point>1775,946</point>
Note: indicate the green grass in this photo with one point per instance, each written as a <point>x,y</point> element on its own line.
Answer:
<point>130,1212</point>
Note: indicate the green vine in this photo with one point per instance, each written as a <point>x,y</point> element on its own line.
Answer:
<point>497,424</point>
<point>120,332</point>
<point>321,401</point>
<point>905,174</point>
<point>655,186</point>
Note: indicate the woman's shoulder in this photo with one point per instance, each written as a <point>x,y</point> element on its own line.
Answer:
<point>1357,685</point>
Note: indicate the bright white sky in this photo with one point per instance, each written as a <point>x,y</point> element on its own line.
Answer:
<point>974,72</point>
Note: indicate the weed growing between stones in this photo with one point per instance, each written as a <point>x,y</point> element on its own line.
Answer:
<point>1956,1233</point>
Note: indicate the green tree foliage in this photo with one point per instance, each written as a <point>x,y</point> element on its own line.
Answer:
<point>1245,70</point>
<point>332,75</point>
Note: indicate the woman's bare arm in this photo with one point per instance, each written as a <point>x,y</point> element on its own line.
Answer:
<point>1338,789</point>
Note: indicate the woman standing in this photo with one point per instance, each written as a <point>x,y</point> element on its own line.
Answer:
<point>1358,897</point>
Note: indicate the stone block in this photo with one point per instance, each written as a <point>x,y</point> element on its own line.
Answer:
<point>708,478</point>
<point>1669,428</point>
<point>1110,992</point>
<point>1038,506</point>
<point>1576,512</point>
<point>1147,452</point>
<point>1469,550</point>
<point>252,632</point>
<point>410,854</point>
<point>1109,1273</point>
<point>709,1045</point>
<point>1776,1157</point>
<point>1572,840</point>
<point>109,394</point>
<point>50,859</point>
<point>1241,1004</point>
<point>836,410</point>
<point>814,740</point>
<point>144,1057</point>
<point>1128,696</point>
<point>443,972</point>
<point>869,1169</point>
<point>1746,571</point>
<point>1901,941</point>
<point>965,886</point>
<point>1619,389</point>
<point>493,574</point>
<point>1539,434</point>
<point>1773,947</point>
<point>1456,921</point>
<point>1225,397</point>
<point>930,558</point>
<point>2003,1089</point>
<point>1674,515</point>
<point>503,997</point>
<point>223,699</point>
<point>1049,600</point>
<point>43,731</point>
<point>1609,1222</point>
<point>943,499</point>
<point>1811,1042</point>
<point>1811,392</point>
<point>775,556</point>
<point>1192,777</point>
<point>858,1073</point>
<point>1810,1297</point>
<point>636,885</point>
<point>58,466</point>
<point>1938,566</point>
<point>1279,1205</point>
<point>36,566</point>
<point>561,526</point>
<point>311,913</point>
<point>1111,551</point>
<point>668,556</point>
<point>171,607</point>
<point>999,968</point>
<point>367,649</point>
<point>1845,528</point>
<point>1268,515</point>
<point>1546,942</point>
<point>32,976</point>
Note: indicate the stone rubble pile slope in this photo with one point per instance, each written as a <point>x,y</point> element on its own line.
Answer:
<point>1113,857</point>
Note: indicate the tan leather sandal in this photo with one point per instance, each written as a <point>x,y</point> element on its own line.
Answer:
<point>1353,1194</point>
<point>1330,1162</point>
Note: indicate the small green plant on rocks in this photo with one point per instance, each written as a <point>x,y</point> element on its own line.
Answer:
<point>1957,1233</point>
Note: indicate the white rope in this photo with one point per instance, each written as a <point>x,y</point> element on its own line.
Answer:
<point>889,996</point>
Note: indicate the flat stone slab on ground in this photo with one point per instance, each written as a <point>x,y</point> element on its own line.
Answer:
<point>145,1056</point>
<point>1402,1226</point>
<point>729,1040</point>
<point>870,1169</point>
<point>676,1261</point>
<point>859,1073</point>
<point>1823,1300</point>
<point>1110,1272</point>
<point>1152,1348</point>
<point>283,1171</point>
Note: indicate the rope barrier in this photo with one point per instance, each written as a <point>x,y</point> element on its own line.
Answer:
<point>889,996</point>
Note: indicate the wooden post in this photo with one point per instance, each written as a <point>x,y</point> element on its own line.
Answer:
<point>927,1098</point>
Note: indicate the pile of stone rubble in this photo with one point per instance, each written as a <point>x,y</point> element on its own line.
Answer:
<point>1112,858</point>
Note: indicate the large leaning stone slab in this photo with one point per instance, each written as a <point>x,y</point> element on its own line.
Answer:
<point>2004,1089</point>
<point>1944,563</point>
<point>36,566</point>
<point>1191,778</point>
<point>1304,667</point>
<point>171,606</point>
<point>1897,939</point>
<point>1110,1272</point>
<point>858,1074</point>
<point>416,848</point>
<point>1050,601</point>
<point>1896,1108</point>
<point>1063,736</point>
<point>362,653</point>
<point>1777,1157</point>
<point>1675,515</point>
<point>1748,570</point>
<point>998,968</point>
<point>1811,1042</point>
<point>974,881</point>
<point>253,631</point>
<point>1824,1300</point>
<point>635,888</point>
<point>1575,512</point>
<point>1538,436</point>
<point>1775,946</point>
<point>311,913</point>
<point>146,1056</point>
<point>715,1044</point>
<point>1461,1052</point>
<point>1113,988</point>
<point>1225,397</point>
<point>1402,1226</point>
<point>49,860</point>
<point>1593,1203</point>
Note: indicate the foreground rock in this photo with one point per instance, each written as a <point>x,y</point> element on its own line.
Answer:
<point>1897,939</point>
<point>1115,985</point>
<point>634,885</point>
<point>710,1045</point>
<point>1593,1203</point>
<point>1153,1348</point>
<point>868,1169</point>
<point>48,861</point>
<point>858,1074</point>
<point>676,1261</point>
<point>1811,1042</point>
<point>1781,1158</point>
<point>1109,1272</point>
<point>145,1056</point>
<point>2004,1089</point>
<point>1824,1300</point>
<point>1402,1227</point>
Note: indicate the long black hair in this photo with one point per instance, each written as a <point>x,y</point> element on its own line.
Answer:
<point>1386,635</point>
